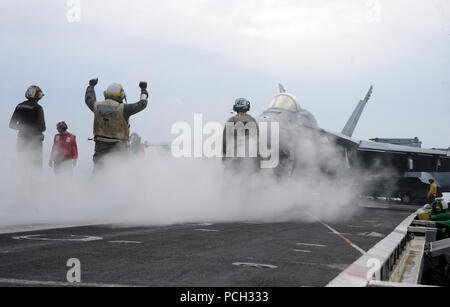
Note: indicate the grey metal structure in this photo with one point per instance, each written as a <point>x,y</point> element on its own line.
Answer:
<point>439,248</point>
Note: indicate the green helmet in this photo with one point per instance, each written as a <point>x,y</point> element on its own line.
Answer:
<point>241,105</point>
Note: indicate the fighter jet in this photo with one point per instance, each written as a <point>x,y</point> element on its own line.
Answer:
<point>302,139</point>
<point>293,122</point>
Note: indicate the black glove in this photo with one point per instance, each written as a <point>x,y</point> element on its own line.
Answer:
<point>93,82</point>
<point>143,85</point>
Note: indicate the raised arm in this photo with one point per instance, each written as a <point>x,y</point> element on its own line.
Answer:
<point>90,97</point>
<point>133,108</point>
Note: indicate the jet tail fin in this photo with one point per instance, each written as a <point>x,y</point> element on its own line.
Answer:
<point>281,88</point>
<point>354,118</point>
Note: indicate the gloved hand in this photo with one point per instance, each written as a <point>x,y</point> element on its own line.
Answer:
<point>143,85</point>
<point>93,82</point>
<point>50,163</point>
<point>144,93</point>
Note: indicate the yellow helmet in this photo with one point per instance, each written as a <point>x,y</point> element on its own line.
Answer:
<point>115,91</point>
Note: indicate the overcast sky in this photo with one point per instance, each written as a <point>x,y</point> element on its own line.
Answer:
<point>199,55</point>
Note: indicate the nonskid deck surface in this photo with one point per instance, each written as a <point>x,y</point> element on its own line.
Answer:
<point>232,254</point>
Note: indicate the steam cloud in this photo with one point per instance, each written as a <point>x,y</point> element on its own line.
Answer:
<point>163,190</point>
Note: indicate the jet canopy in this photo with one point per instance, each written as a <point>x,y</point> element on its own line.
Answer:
<point>284,101</point>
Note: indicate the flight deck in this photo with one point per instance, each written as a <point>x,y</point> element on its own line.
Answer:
<point>297,254</point>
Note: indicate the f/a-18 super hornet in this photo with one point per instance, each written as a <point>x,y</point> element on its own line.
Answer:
<point>302,141</point>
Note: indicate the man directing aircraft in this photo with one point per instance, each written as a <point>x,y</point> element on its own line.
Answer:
<point>111,119</point>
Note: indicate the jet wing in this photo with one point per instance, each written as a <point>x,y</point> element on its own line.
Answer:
<point>385,147</point>
<point>401,158</point>
<point>339,138</point>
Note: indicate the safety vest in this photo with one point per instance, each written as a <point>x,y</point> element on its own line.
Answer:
<point>64,147</point>
<point>109,122</point>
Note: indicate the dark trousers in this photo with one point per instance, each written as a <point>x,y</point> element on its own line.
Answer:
<point>29,151</point>
<point>106,150</point>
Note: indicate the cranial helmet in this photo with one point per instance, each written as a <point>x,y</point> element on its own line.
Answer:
<point>34,92</point>
<point>61,126</point>
<point>241,105</point>
<point>115,91</point>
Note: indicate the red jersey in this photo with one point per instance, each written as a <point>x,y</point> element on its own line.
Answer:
<point>64,147</point>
